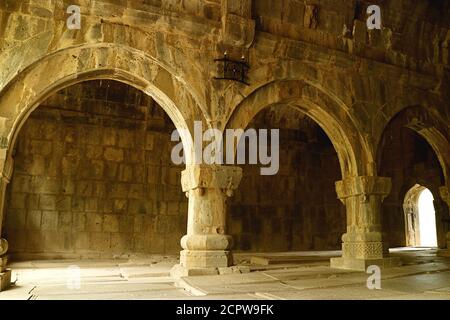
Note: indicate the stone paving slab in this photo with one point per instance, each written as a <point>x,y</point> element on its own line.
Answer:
<point>17,293</point>
<point>442,290</point>
<point>271,260</point>
<point>306,272</point>
<point>143,272</point>
<point>234,296</point>
<point>244,288</point>
<point>345,293</point>
<point>111,287</point>
<point>419,283</point>
<point>229,279</point>
<point>107,295</point>
<point>420,296</point>
<point>144,279</point>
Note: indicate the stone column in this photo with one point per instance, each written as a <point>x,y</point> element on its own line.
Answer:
<point>363,244</point>
<point>6,166</point>
<point>206,244</point>
<point>5,274</point>
<point>445,195</point>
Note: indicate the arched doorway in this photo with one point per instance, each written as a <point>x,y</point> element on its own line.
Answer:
<point>411,153</point>
<point>353,154</point>
<point>420,218</point>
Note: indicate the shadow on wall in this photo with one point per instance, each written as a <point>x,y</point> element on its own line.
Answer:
<point>297,209</point>
<point>409,160</point>
<point>93,177</point>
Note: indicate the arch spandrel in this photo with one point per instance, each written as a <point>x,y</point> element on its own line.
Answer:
<point>106,61</point>
<point>352,150</point>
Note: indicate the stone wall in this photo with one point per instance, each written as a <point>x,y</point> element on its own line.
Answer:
<point>408,159</point>
<point>93,176</point>
<point>297,209</point>
<point>342,25</point>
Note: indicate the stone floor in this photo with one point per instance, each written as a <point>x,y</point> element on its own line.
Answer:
<point>300,275</point>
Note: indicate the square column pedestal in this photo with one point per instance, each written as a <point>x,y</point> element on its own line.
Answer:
<point>196,263</point>
<point>359,256</point>
<point>363,245</point>
<point>5,279</point>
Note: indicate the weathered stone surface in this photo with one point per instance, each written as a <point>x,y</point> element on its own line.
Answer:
<point>354,86</point>
<point>96,191</point>
<point>5,279</point>
<point>5,274</point>
<point>206,244</point>
<point>296,209</point>
<point>363,244</point>
<point>445,195</point>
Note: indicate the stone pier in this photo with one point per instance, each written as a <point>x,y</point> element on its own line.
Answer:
<point>206,244</point>
<point>363,243</point>
<point>5,274</point>
<point>445,195</point>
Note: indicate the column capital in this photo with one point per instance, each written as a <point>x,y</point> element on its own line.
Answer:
<point>226,178</point>
<point>363,186</point>
<point>363,243</point>
<point>3,247</point>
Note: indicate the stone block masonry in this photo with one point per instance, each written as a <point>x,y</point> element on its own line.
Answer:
<point>90,168</point>
<point>297,209</point>
<point>93,177</point>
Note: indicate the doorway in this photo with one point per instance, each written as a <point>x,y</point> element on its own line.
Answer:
<point>420,218</point>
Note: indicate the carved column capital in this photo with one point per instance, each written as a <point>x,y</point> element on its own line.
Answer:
<point>6,166</point>
<point>363,197</point>
<point>363,186</point>
<point>3,251</point>
<point>3,247</point>
<point>201,177</point>
<point>206,244</point>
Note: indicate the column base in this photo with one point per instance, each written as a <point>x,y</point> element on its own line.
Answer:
<point>196,259</point>
<point>362,264</point>
<point>178,271</point>
<point>196,263</point>
<point>5,279</point>
<point>443,253</point>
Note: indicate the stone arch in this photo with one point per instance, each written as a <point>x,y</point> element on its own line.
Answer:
<point>422,122</point>
<point>102,61</point>
<point>177,60</point>
<point>425,123</point>
<point>354,154</point>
